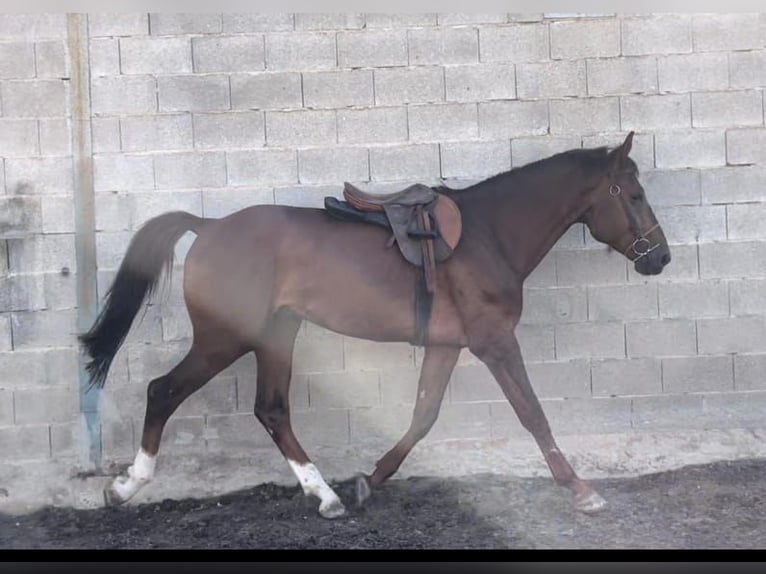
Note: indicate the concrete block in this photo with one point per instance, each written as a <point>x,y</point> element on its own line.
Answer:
<point>622,302</point>
<point>228,130</point>
<point>734,410</point>
<point>591,267</point>
<point>664,338</point>
<point>22,292</point>
<point>727,109</point>
<point>40,253</point>
<point>219,396</point>
<point>332,165</point>
<point>60,291</point>
<point>480,82</point>
<point>17,60</point>
<point>372,125</point>
<point>616,76</point>
<point>305,196</point>
<point>620,377</point>
<point>301,51</point>
<point>328,21</point>
<point>732,260</point>
<point>747,69</point>
<point>57,214</point>
<point>693,223</point>
<point>28,442</point>
<point>6,339</point>
<point>337,89</point>
<point>748,297</point>
<point>551,79</point>
<point>229,54</point>
<point>560,379</point>
<point>372,48</point>
<point>690,148</point>
<point>105,135</point>
<point>584,340</point>
<point>257,22</point>
<point>746,146</point>
<point>168,24</point>
<point>193,93</point>
<point>398,386</point>
<point>512,119</point>
<point>731,335</point>
<point>304,127</point>
<point>39,176</point>
<point>475,159</point>
<point>51,59</point>
<point>147,362</point>
<point>190,170</point>
<point>184,435</point>
<point>119,172</point>
<point>554,305</point>
<point>656,34</point>
<point>157,133</point>
<point>401,20</point>
<point>235,431</point>
<point>124,95</point>
<point>261,167</point>
<point>35,367</point>
<point>683,267</point>
<point>126,24</point>
<point>322,427</point>
<point>575,39</point>
<point>505,424</point>
<point>33,98</point>
<point>18,138</point>
<point>344,390</point>
<point>528,150</point>
<point>750,372</point>
<point>319,352</point>
<point>269,90</point>
<point>694,299</point>
<point>55,137</point>
<point>537,342</point>
<point>695,374</point>
<point>6,407</point>
<point>363,355</point>
<point>21,26</point>
<point>146,55</point>
<point>443,122</point>
<point>581,416</point>
<point>44,329</point>
<point>713,32</point>
<point>22,216</point>
<point>409,85</point>
<point>454,19</point>
<point>410,162</point>
<point>643,146</point>
<point>461,421</point>
<point>693,72</point>
<point>672,187</point>
<point>443,46</point>
<point>585,115</point>
<point>474,383</point>
<point>66,440</point>
<point>39,406</point>
<point>145,205</point>
<point>733,184</point>
<point>223,202</point>
<point>669,412</point>
<point>745,221</point>
<point>514,43</point>
<point>655,112</point>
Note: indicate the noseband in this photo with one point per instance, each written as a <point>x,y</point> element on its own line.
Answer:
<point>641,246</point>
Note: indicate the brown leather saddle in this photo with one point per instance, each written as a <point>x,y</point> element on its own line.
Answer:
<point>425,225</point>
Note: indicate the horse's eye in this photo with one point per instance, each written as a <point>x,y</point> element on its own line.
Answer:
<point>636,196</point>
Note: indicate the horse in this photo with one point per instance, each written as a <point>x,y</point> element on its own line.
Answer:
<point>252,277</point>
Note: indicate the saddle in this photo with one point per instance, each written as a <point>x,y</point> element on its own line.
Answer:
<point>425,225</point>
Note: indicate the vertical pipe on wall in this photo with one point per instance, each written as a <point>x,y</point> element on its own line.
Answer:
<point>85,228</point>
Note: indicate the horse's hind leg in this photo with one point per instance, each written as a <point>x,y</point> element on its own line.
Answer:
<point>274,353</point>
<point>438,364</point>
<point>208,355</point>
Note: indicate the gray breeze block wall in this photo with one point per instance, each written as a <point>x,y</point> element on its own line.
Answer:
<point>211,113</point>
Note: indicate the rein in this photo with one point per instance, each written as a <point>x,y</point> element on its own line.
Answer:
<point>640,246</point>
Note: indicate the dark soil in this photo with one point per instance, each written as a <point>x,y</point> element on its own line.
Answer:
<point>721,505</point>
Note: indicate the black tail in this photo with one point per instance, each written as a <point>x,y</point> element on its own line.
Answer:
<point>151,250</point>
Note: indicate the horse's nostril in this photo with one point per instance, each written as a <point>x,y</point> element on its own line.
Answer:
<point>665,259</point>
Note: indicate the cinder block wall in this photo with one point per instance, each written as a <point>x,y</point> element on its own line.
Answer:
<point>211,113</point>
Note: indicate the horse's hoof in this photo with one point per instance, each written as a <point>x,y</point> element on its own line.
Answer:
<point>363,489</point>
<point>332,509</point>
<point>591,503</point>
<point>111,497</point>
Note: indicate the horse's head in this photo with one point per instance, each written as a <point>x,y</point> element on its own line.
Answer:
<point>622,218</point>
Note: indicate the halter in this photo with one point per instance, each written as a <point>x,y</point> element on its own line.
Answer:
<point>641,246</point>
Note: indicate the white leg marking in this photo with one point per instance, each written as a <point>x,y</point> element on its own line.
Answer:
<point>139,474</point>
<point>312,483</point>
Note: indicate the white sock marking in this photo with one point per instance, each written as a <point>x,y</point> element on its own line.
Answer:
<point>139,474</point>
<point>312,483</point>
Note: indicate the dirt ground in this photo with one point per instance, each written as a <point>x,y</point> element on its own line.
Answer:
<point>720,505</point>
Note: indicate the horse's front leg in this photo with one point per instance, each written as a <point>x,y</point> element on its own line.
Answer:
<point>503,357</point>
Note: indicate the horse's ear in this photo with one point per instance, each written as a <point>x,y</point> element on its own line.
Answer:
<point>626,145</point>
<point>620,154</point>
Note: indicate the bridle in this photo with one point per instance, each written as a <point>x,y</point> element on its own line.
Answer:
<point>640,246</point>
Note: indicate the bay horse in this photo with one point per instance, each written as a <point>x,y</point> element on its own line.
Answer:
<point>251,278</point>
